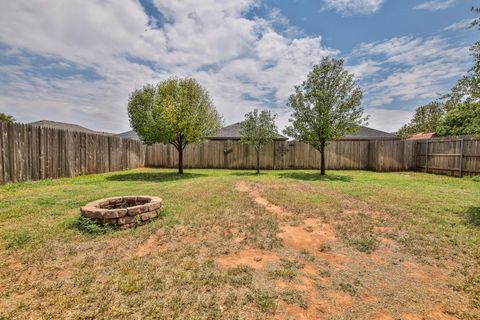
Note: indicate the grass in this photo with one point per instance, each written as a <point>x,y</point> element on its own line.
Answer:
<point>55,264</point>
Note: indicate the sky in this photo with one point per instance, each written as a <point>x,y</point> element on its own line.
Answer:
<point>78,61</point>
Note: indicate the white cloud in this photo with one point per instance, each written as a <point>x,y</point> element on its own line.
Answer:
<point>461,25</point>
<point>418,68</point>
<point>243,62</point>
<point>435,5</point>
<point>365,68</point>
<point>389,120</point>
<point>353,7</point>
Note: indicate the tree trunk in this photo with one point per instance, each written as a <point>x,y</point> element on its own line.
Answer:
<point>180,160</point>
<point>258,161</point>
<point>322,159</point>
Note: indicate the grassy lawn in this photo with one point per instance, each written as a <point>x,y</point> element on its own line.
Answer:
<point>234,245</point>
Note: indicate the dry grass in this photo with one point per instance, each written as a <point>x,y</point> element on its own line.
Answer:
<point>284,245</point>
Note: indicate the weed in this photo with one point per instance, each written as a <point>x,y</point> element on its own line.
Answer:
<point>305,254</point>
<point>348,288</point>
<point>90,227</point>
<point>17,239</point>
<point>366,245</point>
<point>287,269</point>
<point>325,247</point>
<point>473,216</point>
<point>240,276</point>
<point>264,300</point>
<point>291,296</point>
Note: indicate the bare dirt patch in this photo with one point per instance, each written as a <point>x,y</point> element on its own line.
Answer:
<point>309,236</point>
<point>148,246</point>
<point>255,195</point>
<point>253,258</point>
<point>337,278</point>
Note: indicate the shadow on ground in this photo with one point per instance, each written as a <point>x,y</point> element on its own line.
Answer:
<point>473,216</point>
<point>247,174</point>
<point>154,176</point>
<point>314,176</point>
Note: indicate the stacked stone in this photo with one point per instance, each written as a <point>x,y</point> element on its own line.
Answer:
<point>110,210</point>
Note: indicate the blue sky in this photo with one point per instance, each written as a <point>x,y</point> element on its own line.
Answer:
<point>77,61</point>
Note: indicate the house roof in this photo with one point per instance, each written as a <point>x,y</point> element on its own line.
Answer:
<point>64,126</point>
<point>421,136</point>
<point>129,135</point>
<point>366,133</point>
<point>232,132</point>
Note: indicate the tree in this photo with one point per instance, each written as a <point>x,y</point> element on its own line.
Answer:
<point>175,111</point>
<point>476,22</point>
<point>426,119</point>
<point>464,119</point>
<point>257,130</point>
<point>6,118</point>
<point>468,87</point>
<point>325,107</point>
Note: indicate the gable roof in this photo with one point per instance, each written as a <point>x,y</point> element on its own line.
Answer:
<point>421,136</point>
<point>64,126</point>
<point>366,133</point>
<point>232,132</point>
<point>129,135</point>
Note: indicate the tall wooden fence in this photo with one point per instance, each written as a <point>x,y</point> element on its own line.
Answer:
<point>34,153</point>
<point>382,155</point>
<point>455,156</point>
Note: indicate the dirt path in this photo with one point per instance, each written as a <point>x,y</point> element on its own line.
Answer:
<point>342,283</point>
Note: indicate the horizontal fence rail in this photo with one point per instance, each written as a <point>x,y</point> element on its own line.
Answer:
<point>381,155</point>
<point>455,156</point>
<point>33,153</point>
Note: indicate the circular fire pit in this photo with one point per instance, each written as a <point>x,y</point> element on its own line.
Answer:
<point>124,212</point>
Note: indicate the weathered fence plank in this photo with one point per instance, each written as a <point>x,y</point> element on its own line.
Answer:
<point>454,156</point>
<point>33,153</point>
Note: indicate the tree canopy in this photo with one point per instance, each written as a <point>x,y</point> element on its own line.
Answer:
<point>326,106</point>
<point>6,118</point>
<point>464,119</point>
<point>425,120</point>
<point>257,130</point>
<point>175,111</point>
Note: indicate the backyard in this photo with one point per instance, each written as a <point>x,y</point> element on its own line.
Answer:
<point>235,245</point>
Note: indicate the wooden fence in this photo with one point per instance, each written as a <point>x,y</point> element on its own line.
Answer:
<point>382,155</point>
<point>34,153</point>
<point>455,156</point>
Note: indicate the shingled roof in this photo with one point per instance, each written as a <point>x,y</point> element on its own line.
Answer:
<point>232,132</point>
<point>366,133</point>
<point>64,126</point>
<point>129,135</point>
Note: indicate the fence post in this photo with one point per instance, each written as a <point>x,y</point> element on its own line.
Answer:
<point>461,157</point>
<point>426,156</point>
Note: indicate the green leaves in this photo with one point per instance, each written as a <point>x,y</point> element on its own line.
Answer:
<point>258,129</point>
<point>176,111</point>
<point>464,119</point>
<point>425,120</point>
<point>6,118</point>
<point>326,106</point>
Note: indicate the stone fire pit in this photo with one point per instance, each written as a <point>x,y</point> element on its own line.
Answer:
<point>124,212</point>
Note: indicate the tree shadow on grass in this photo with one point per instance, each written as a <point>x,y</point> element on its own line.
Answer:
<point>154,176</point>
<point>314,176</point>
<point>247,173</point>
<point>473,216</point>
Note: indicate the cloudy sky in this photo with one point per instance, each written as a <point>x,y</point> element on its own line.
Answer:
<point>77,60</point>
